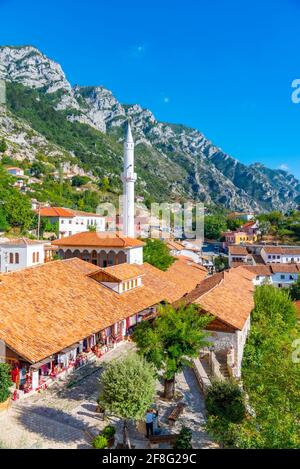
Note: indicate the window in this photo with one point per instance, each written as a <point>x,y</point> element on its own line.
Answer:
<point>17,258</point>
<point>291,277</point>
<point>282,277</point>
<point>33,257</point>
<point>11,258</point>
<point>278,257</point>
<point>38,257</point>
<point>269,257</point>
<point>70,221</point>
<point>62,222</point>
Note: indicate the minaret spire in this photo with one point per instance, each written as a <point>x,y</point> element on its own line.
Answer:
<point>128,178</point>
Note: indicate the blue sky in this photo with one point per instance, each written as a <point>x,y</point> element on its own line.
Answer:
<point>224,67</point>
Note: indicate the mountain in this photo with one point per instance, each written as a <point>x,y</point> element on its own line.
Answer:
<point>83,126</point>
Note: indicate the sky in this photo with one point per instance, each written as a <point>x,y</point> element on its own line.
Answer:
<point>223,67</point>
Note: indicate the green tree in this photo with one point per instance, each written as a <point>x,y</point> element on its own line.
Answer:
<point>17,209</point>
<point>4,226</point>
<point>225,399</point>
<point>128,389</point>
<point>221,263</point>
<point>295,290</point>
<point>157,253</point>
<point>3,145</point>
<point>5,381</point>
<point>78,181</point>
<point>214,226</point>
<point>172,340</point>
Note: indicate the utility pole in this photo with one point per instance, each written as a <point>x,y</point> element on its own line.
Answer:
<point>39,222</point>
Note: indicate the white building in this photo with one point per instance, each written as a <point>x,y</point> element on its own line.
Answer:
<point>280,254</point>
<point>278,275</point>
<point>17,254</point>
<point>71,221</point>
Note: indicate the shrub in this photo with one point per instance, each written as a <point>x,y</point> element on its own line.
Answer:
<point>109,431</point>
<point>5,381</point>
<point>100,442</point>
<point>184,440</point>
<point>225,399</point>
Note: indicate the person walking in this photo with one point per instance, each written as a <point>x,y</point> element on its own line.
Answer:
<point>149,423</point>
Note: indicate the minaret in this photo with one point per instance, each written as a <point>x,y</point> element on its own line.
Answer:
<point>128,178</point>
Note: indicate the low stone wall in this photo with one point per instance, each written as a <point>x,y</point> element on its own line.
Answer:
<point>201,375</point>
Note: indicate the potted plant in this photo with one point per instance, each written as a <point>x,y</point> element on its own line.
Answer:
<point>109,433</point>
<point>100,442</point>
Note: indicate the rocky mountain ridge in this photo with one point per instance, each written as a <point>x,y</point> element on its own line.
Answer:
<point>181,161</point>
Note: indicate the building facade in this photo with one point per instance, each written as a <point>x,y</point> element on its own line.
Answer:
<point>20,253</point>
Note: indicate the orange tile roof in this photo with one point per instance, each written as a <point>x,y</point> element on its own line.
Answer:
<point>122,271</point>
<point>56,212</point>
<point>46,308</point>
<point>174,245</point>
<point>98,239</point>
<point>228,296</point>
<point>263,270</point>
<point>292,251</point>
<point>236,249</point>
<point>285,268</point>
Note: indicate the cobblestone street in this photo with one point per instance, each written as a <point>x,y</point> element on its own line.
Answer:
<point>64,415</point>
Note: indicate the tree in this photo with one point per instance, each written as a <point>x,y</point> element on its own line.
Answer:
<point>17,209</point>
<point>78,181</point>
<point>221,263</point>
<point>5,381</point>
<point>157,253</point>
<point>128,388</point>
<point>3,145</point>
<point>172,340</point>
<point>4,226</point>
<point>214,226</point>
<point>295,290</point>
<point>225,399</point>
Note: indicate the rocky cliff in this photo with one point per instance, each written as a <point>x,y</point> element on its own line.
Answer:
<point>173,161</point>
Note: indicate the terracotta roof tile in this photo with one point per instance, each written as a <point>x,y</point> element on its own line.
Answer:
<point>46,308</point>
<point>228,296</point>
<point>123,271</point>
<point>292,251</point>
<point>98,239</point>
<point>237,249</point>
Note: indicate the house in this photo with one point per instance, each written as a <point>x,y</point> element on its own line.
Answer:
<point>251,228</point>
<point>239,254</point>
<point>16,254</point>
<point>284,275</point>
<point>15,171</point>
<point>83,312</point>
<point>228,297</point>
<point>281,254</point>
<point>101,248</point>
<point>278,275</point>
<point>71,221</point>
<point>239,237</point>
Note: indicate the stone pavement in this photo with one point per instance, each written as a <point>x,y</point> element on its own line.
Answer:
<point>64,415</point>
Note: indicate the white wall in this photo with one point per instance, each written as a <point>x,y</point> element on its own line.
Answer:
<point>135,255</point>
<point>280,258</point>
<point>25,256</point>
<point>78,224</point>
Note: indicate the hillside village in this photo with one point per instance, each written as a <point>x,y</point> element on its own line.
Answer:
<point>75,294</point>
